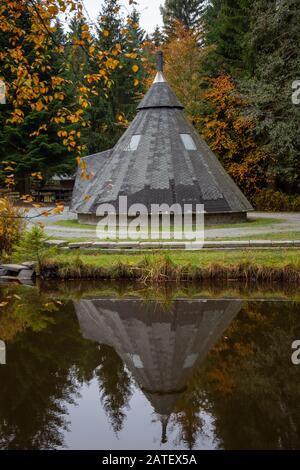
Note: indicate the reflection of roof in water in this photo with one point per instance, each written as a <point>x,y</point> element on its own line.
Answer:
<point>159,345</point>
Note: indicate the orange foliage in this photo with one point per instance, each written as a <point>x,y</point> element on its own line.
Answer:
<point>231,134</point>
<point>26,87</point>
<point>183,68</point>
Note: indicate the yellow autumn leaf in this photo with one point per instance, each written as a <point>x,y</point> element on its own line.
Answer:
<point>53,10</point>
<point>135,68</point>
<point>59,209</point>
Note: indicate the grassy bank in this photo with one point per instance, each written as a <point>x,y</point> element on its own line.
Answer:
<point>254,265</point>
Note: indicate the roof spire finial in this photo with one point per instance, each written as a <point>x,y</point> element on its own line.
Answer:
<point>160,61</point>
<point>160,68</point>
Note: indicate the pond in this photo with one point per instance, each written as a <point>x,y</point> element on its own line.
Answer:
<point>122,366</point>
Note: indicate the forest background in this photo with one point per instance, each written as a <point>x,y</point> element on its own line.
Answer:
<point>73,84</point>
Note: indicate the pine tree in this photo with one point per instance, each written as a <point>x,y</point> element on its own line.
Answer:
<point>114,383</point>
<point>227,23</point>
<point>103,133</point>
<point>134,70</point>
<point>109,113</point>
<point>188,12</point>
<point>157,37</point>
<point>76,54</point>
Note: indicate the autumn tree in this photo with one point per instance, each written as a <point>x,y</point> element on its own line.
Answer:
<point>216,108</point>
<point>31,140</point>
<point>31,62</point>
<point>257,44</point>
<point>184,69</point>
<point>40,97</point>
<point>231,133</point>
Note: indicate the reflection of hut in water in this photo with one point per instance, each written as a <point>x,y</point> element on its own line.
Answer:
<point>159,346</point>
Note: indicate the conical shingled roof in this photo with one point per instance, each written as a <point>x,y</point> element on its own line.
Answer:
<point>160,95</point>
<point>160,159</point>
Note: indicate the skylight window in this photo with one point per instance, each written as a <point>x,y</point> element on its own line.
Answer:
<point>133,144</point>
<point>137,361</point>
<point>188,142</point>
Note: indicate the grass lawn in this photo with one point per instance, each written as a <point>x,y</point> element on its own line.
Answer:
<point>251,223</point>
<point>73,239</point>
<point>261,222</point>
<point>262,236</point>
<point>73,224</point>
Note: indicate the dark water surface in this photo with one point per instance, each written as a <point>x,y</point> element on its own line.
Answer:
<point>95,366</point>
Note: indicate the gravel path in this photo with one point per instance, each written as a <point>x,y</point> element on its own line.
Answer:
<point>290,222</point>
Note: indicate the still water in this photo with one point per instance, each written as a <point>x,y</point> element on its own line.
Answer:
<point>95,366</point>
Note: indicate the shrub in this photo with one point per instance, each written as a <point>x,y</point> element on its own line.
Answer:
<point>12,225</point>
<point>33,246</point>
<point>270,200</point>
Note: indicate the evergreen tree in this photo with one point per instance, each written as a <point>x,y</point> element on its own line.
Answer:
<point>136,34</point>
<point>157,37</point>
<point>109,113</point>
<point>34,144</point>
<point>48,361</point>
<point>115,386</point>
<point>227,24</point>
<point>78,62</point>
<point>103,133</point>
<point>133,62</point>
<point>188,12</point>
<point>275,38</point>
